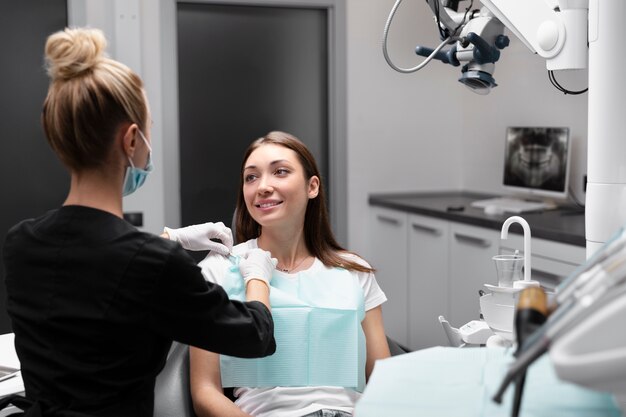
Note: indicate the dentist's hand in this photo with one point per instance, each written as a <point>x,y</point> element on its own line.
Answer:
<point>257,264</point>
<point>198,237</point>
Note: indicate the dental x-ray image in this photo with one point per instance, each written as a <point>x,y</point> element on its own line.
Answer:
<point>536,158</point>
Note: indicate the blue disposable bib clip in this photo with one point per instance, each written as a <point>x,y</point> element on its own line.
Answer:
<point>317,327</point>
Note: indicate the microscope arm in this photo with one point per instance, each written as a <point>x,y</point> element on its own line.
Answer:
<point>558,36</point>
<point>449,19</point>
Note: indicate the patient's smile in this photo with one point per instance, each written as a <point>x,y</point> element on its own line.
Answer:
<point>268,204</point>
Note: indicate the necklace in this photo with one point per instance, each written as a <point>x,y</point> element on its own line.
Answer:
<point>287,270</point>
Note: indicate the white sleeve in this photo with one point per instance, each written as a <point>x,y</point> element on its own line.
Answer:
<point>373,294</point>
<point>214,267</point>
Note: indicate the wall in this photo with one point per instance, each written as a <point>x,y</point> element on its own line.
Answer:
<point>404,130</point>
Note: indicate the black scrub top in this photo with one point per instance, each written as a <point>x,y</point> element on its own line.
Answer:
<point>95,304</point>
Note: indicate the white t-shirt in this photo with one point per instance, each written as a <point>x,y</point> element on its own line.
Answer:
<point>294,401</point>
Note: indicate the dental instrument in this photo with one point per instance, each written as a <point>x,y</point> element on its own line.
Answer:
<point>531,313</point>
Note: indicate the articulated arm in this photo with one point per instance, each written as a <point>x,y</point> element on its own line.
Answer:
<point>555,30</point>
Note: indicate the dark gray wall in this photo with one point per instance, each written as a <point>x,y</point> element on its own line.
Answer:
<point>32,180</point>
<point>244,71</point>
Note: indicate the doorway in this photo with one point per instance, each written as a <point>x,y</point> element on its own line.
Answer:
<point>244,71</point>
<point>32,179</point>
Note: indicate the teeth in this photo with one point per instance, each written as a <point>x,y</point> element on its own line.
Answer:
<point>266,205</point>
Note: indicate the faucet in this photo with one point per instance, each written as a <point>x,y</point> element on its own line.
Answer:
<point>527,282</point>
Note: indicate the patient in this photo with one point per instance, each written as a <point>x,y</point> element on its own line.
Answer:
<point>282,209</point>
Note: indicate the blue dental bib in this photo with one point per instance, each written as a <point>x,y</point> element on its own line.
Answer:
<point>317,327</point>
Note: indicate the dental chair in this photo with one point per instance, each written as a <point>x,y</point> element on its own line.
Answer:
<point>172,397</point>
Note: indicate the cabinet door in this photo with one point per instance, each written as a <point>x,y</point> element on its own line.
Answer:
<point>428,281</point>
<point>389,256</point>
<point>471,266</point>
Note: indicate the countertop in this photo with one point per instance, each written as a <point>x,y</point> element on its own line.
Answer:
<point>565,224</point>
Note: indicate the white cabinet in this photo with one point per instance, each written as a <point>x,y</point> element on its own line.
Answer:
<point>428,280</point>
<point>471,266</point>
<point>389,257</point>
<point>429,267</point>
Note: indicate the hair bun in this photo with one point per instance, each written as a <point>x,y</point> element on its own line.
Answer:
<point>71,52</point>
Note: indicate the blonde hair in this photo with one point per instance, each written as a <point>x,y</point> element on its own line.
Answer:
<point>89,97</point>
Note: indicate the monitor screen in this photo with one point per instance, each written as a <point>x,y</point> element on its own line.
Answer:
<point>536,160</point>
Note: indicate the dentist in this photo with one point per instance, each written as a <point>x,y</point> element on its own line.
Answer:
<point>95,303</point>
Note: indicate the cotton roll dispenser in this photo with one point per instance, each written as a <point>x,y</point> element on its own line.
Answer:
<point>497,305</point>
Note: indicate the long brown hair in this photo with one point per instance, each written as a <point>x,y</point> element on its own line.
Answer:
<point>318,236</point>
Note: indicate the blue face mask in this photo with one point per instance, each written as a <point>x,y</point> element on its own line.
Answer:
<point>135,177</point>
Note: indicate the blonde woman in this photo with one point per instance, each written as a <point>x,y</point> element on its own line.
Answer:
<point>95,303</point>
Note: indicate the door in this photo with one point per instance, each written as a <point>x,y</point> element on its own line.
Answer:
<point>32,180</point>
<point>244,71</point>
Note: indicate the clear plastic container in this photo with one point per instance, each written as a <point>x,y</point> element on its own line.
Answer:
<point>509,269</point>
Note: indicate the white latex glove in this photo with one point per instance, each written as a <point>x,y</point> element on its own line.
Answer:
<point>257,264</point>
<point>198,237</point>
